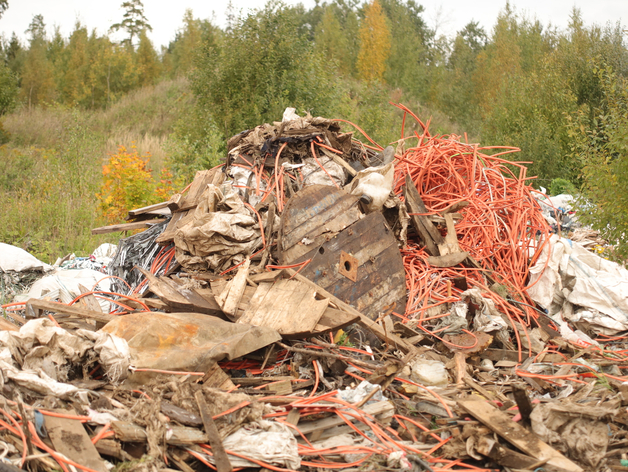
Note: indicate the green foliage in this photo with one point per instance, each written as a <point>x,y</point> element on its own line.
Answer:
<point>8,89</point>
<point>560,186</point>
<point>601,145</point>
<point>374,43</point>
<point>263,66</point>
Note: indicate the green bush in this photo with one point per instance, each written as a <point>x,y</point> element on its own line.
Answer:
<point>560,186</point>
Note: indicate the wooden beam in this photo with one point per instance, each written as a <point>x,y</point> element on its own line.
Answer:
<point>127,226</point>
<point>517,435</point>
<point>220,456</point>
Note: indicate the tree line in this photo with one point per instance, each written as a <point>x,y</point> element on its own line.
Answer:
<point>558,94</point>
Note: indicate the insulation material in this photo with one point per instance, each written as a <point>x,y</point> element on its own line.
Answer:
<point>186,341</point>
<point>576,276</point>
<point>221,233</point>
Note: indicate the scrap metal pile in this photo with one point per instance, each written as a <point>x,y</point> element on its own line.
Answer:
<point>317,302</point>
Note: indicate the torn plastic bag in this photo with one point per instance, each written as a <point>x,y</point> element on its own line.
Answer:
<point>63,285</point>
<point>186,341</point>
<point>359,393</point>
<point>487,318</point>
<point>314,175</point>
<point>221,233</point>
<point>583,279</point>
<point>266,441</point>
<point>579,431</point>
<point>40,355</point>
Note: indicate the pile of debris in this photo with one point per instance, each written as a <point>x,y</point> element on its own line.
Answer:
<point>317,302</point>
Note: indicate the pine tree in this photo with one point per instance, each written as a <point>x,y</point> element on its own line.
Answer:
<point>134,21</point>
<point>374,43</point>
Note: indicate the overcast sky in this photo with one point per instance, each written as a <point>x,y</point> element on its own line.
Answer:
<point>165,17</point>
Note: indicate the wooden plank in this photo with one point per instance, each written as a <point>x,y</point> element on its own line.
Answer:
<point>70,439</point>
<point>127,226</point>
<point>423,226</point>
<point>332,320</point>
<point>147,209</point>
<point>89,301</point>
<point>450,245</point>
<point>509,458</point>
<point>288,306</point>
<point>179,298</point>
<point>363,320</point>
<point>229,302</point>
<point>517,435</point>
<point>7,325</point>
<point>177,219</point>
<point>218,450</point>
<point>199,184</point>
<point>69,309</point>
<point>215,377</point>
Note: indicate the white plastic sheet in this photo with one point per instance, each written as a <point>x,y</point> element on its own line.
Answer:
<point>64,286</point>
<point>567,277</point>
<point>18,260</point>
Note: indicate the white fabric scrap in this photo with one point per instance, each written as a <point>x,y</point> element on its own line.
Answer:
<point>266,441</point>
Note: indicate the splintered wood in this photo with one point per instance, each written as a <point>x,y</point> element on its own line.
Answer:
<point>288,306</point>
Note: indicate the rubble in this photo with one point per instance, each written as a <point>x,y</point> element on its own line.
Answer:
<point>318,302</point>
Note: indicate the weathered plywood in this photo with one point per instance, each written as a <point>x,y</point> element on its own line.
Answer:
<point>380,280</point>
<point>70,439</point>
<point>288,306</point>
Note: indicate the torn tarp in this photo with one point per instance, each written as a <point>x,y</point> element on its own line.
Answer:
<point>575,276</point>
<point>186,341</point>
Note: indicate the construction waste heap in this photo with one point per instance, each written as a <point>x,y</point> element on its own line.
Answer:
<point>320,302</point>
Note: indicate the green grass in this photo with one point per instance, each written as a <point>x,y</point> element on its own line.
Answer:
<point>50,170</point>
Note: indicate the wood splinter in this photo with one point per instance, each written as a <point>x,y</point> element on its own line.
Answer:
<point>220,456</point>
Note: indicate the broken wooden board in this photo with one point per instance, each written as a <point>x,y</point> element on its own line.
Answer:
<point>517,435</point>
<point>320,223</point>
<point>147,209</point>
<point>180,298</point>
<point>364,321</point>
<point>38,305</point>
<point>198,186</point>
<point>70,439</point>
<point>418,216</point>
<point>127,226</point>
<point>178,219</point>
<point>287,306</point>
